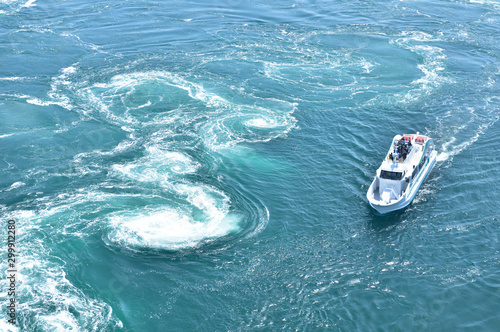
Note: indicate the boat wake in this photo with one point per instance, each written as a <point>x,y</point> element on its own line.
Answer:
<point>459,136</point>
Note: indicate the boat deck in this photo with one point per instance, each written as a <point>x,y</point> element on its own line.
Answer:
<point>376,195</point>
<point>411,159</point>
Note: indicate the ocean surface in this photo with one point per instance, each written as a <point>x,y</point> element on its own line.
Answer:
<point>203,165</point>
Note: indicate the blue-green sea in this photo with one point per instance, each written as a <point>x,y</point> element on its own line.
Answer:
<point>188,165</point>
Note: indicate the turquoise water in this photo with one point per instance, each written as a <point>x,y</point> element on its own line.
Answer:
<point>203,165</point>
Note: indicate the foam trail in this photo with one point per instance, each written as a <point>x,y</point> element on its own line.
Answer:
<point>7,327</point>
<point>12,79</point>
<point>449,150</point>
<point>16,185</point>
<point>29,3</point>
<point>158,166</point>
<point>15,6</point>
<point>46,298</point>
<point>432,66</point>
<point>442,156</point>
<point>470,120</point>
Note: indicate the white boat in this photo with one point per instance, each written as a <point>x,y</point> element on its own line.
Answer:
<point>407,163</point>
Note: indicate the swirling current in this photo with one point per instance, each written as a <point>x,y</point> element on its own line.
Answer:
<point>186,165</point>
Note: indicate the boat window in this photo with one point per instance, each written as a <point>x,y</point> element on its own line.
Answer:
<point>415,172</point>
<point>422,162</point>
<point>391,175</point>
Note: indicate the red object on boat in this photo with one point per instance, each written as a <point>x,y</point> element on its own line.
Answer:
<point>407,137</point>
<point>421,139</point>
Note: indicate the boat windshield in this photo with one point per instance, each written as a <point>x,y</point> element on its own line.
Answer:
<point>391,175</point>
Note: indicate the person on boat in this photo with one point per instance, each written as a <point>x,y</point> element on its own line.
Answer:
<point>391,156</point>
<point>400,149</point>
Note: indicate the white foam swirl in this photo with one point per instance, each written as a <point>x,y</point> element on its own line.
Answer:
<point>55,303</point>
<point>205,218</point>
<point>199,213</point>
<point>224,123</point>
